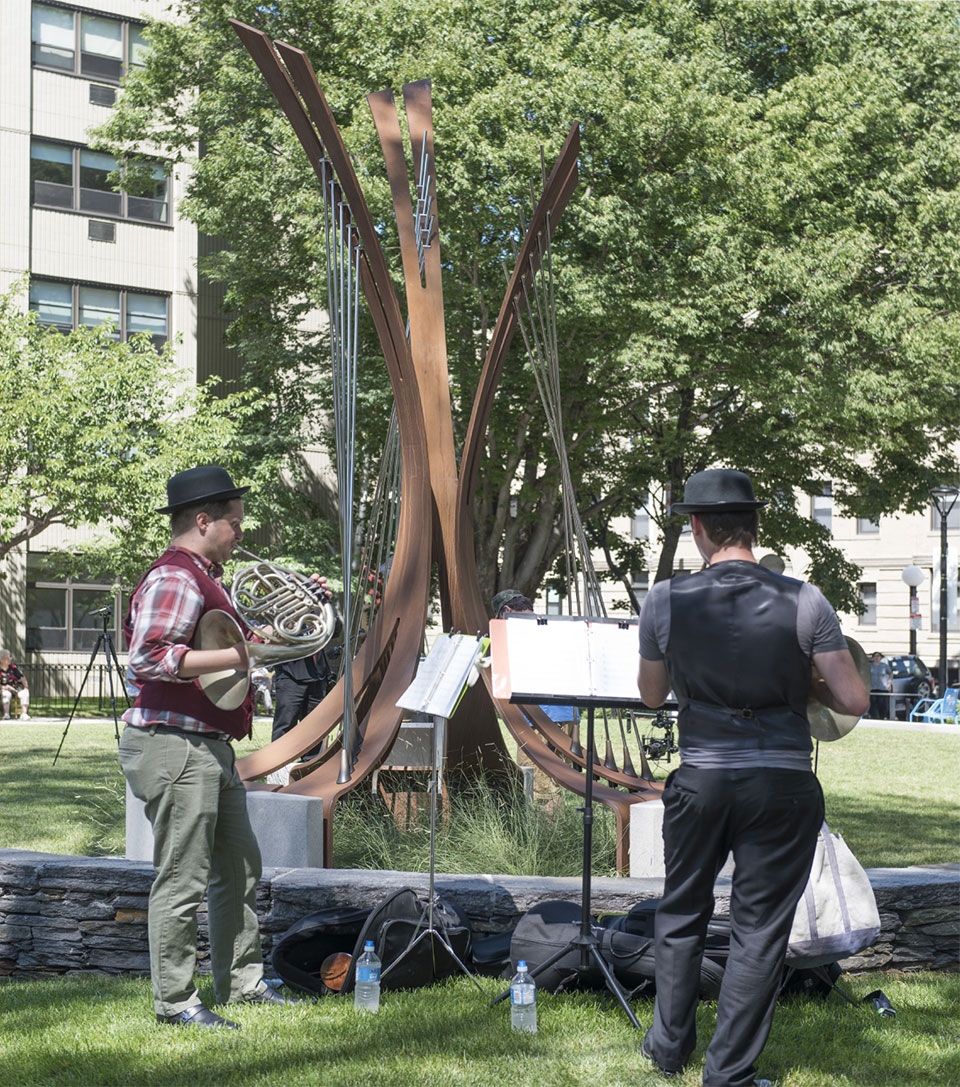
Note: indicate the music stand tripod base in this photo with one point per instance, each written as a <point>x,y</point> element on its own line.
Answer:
<point>430,929</point>
<point>585,942</point>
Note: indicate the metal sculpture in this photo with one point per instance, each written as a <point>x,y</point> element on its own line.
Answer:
<point>358,721</point>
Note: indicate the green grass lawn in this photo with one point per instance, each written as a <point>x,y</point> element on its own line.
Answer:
<point>893,795</point>
<point>100,1031</point>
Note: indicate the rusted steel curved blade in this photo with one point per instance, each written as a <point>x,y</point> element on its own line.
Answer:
<point>547,746</point>
<point>388,660</point>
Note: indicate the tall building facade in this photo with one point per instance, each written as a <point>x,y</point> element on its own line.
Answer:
<point>90,254</point>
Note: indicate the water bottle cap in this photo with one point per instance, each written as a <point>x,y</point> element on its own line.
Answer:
<point>368,946</point>
<point>521,964</point>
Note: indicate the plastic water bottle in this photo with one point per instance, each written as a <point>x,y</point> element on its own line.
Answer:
<point>523,1000</point>
<point>366,988</point>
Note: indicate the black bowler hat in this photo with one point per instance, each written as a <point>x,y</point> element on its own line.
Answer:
<point>206,483</point>
<point>718,490</point>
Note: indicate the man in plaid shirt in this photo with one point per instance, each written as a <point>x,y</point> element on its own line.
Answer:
<point>178,759</point>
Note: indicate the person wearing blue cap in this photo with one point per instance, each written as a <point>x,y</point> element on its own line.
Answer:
<point>736,642</point>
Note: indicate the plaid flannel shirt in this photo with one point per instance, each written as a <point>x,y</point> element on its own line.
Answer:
<point>165,612</point>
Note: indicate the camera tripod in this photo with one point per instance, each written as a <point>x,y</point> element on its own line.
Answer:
<point>104,641</point>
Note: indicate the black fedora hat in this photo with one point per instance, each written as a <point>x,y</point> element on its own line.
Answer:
<point>718,490</point>
<point>206,483</point>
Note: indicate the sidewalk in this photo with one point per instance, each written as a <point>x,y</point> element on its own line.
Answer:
<point>908,726</point>
<point>865,722</point>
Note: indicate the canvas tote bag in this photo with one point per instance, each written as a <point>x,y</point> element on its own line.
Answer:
<point>837,915</point>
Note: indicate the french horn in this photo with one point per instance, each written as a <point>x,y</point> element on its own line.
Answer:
<point>285,608</point>
<point>827,724</point>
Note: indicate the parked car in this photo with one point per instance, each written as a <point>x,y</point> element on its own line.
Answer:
<point>912,680</point>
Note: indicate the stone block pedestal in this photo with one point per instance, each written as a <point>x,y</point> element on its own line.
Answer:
<point>646,842</point>
<point>289,829</point>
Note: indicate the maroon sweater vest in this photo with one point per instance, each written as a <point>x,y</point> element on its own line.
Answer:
<point>188,698</point>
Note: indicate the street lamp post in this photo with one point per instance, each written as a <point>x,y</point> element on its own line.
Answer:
<point>944,498</point>
<point>913,578</point>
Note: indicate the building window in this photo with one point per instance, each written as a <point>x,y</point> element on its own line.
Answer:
<point>66,306</point>
<point>101,47</point>
<point>82,43</point>
<point>78,179</point>
<point>54,37</point>
<point>62,615</point>
<point>867,527</point>
<point>953,517</point>
<point>868,594</point>
<point>640,524</point>
<point>554,602</point>
<point>821,506</point>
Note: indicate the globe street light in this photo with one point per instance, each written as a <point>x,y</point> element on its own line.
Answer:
<point>944,498</point>
<point>913,577</point>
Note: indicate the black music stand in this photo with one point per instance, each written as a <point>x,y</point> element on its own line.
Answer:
<point>440,681</point>
<point>105,640</point>
<point>521,664</point>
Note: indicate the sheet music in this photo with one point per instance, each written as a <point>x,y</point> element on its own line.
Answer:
<point>565,660</point>
<point>442,676</point>
<point>614,657</point>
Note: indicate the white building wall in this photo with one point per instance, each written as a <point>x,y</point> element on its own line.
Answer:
<point>50,243</point>
<point>15,87</point>
<point>903,540</point>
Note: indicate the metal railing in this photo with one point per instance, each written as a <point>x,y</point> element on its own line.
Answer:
<point>54,688</point>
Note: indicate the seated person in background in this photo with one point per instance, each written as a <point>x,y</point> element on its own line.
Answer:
<point>12,682</point>
<point>509,602</point>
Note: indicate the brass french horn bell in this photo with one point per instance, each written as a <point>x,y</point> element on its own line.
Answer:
<point>283,607</point>
<point>827,724</point>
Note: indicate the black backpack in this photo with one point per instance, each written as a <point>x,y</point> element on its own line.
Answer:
<point>300,951</point>
<point>393,926</point>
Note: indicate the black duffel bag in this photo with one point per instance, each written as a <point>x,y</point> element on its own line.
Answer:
<point>625,943</point>
<point>548,927</point>
<point>392,925</point>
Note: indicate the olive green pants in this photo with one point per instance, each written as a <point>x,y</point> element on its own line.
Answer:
<point>202,843</point>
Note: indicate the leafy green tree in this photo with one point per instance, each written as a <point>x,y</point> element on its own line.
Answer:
<point>90,429</point>
<point>758,269</point>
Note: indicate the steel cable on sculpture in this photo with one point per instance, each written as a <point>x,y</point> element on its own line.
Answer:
<point>536,314</point>
<point>343,252</point>
<point>379,538</point>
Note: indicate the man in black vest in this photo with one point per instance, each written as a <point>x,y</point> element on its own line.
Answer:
<point>736,643</point>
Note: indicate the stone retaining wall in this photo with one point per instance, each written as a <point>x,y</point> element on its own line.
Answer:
<point>62,914</point>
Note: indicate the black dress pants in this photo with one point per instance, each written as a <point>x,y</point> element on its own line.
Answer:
<point>293,701</point>
<point>769,818</point>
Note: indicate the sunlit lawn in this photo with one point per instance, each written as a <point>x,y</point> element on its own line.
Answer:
<point>892,794</point>
<point>101,1031</point>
